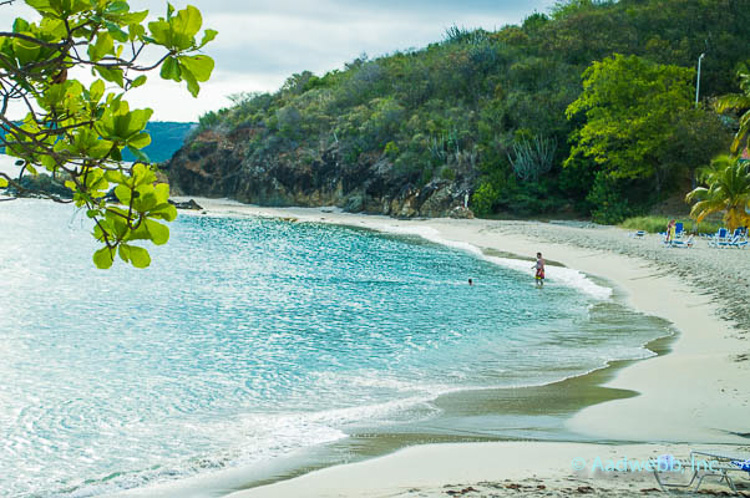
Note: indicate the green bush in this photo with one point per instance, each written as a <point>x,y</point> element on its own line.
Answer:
<point>658,224</point>
<point>484,199</point>
<point>447,173</point>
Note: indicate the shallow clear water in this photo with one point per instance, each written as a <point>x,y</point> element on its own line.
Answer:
<point>248,339</point>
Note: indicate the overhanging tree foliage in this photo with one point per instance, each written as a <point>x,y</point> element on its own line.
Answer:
<point>640,129</point>
<point>78,130</point>
<point>631,106</point>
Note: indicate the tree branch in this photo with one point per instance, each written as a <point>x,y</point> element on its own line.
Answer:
<point>13,183</point>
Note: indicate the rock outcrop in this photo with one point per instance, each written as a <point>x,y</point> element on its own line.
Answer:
<point>217,165</point>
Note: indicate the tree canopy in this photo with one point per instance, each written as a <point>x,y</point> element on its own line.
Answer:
<point>70,70</point>
<point>487,110</point>
<point>630,107</point>
<point>638,116</point>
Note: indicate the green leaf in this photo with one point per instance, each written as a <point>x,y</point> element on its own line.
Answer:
<point>200,66</point>
<point>159,233</point>
<point>146,198</point>
<point>116,32</point>
<point>103,258</point>
<point>162,193</point>
<point>170,70</point>
<point>139,257</point>
<point>21,25</point>
<point>187,23</point>
<point>123,194</point>
<point>142,175</point>
<point>166,212</point>
<point>137,32</point>
<point>140,141</point>
<point>103,46</point>
<point>124,251</point>
<point>111,75</point>
<point>26,51</point>
<point>48,162</point>
<point>97,91</point>
<point>114,176</point>
<point>192,83</point>
<point>139,155</point>
<point>161,33</point>
<point>139,81</point>
<point>117,7</point>
<point>208,36</point>
<point>3,183</point>
<point>133,18</point>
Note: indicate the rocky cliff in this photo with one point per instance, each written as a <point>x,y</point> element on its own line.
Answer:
<point>214,164</point>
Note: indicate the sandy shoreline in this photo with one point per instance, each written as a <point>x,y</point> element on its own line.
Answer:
<point>695,397</point>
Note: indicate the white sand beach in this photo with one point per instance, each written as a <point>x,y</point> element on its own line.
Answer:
<point>697,396</point>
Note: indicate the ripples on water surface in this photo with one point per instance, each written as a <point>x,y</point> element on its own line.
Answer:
<point>248,339</point>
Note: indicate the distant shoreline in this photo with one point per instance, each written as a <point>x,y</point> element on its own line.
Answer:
<point>694,395</point>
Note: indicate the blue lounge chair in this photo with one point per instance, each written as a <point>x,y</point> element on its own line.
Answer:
<point>738,242</point>
<point>719,239</point>
<point>679,229</point>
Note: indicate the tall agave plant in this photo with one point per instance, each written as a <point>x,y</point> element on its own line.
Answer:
<point>727,190</point>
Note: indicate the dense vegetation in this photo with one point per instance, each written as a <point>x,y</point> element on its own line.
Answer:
<point>507,112</point>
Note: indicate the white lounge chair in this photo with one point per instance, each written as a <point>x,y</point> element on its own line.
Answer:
<point>704,464</point>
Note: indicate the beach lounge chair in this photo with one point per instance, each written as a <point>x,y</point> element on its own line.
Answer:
<point>702,464</point>
<point>683,244</point>
<point>720,238</point>
<point>679,230</point>
<point>738,242</point>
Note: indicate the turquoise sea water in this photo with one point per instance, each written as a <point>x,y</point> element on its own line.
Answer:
<point>249,339</point>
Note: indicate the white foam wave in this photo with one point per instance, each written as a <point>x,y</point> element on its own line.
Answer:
<point>565,276</point>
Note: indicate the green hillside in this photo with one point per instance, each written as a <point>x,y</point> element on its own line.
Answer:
<point>488,110</point>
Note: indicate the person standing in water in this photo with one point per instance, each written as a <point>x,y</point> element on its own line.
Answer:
<point>539,267</point>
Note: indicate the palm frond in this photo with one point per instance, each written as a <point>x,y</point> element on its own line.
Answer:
<point>732,101</point>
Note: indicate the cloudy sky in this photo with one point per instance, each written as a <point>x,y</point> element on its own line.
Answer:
<point>262,42</point>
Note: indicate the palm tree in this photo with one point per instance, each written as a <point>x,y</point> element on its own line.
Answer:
<point>728,191</point>
<point>740,102</point>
